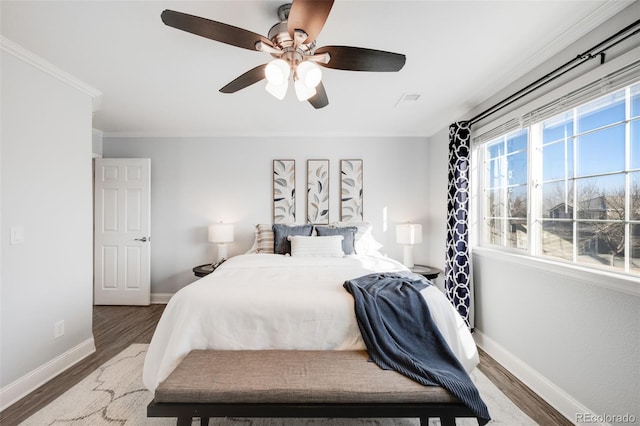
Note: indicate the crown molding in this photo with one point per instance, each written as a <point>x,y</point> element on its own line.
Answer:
<point>579,30</point>
<point>595,19</point>
<point>34,60</point>
<point>227,135</point>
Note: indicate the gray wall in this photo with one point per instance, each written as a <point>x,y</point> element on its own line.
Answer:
<point>46,191</point>
<point>196,181</point>
<point>566,333</point>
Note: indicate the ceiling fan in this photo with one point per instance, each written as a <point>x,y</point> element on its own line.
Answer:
<point>292,42</point>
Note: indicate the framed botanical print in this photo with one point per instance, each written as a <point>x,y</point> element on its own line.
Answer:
<point>284,191</point>
<point>318,192</point>
<point>351,201</point>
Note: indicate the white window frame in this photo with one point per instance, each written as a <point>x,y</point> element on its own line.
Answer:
<point>627,283</point>
<point>481,200</point>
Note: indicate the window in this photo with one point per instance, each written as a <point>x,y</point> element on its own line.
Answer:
<point>506,190</point>
<point>567,187</point>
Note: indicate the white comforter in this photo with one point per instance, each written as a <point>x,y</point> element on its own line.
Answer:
<point>265,301</point>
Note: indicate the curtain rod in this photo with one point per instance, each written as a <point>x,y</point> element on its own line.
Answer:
<point>596,51</point>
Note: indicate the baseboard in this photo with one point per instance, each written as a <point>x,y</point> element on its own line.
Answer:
<point>556,397</point>
<point>160,298</point>
<point>26,384</point>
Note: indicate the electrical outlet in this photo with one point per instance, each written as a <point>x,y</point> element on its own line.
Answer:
<point>17,235</point>
<point>58,329</point>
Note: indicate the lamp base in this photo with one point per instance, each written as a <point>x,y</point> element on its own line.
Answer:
<point>222,252</point>
<point>407,258</point>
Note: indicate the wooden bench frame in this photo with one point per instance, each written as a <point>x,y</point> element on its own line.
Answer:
<point>447,413</point>
<point>192,373</point>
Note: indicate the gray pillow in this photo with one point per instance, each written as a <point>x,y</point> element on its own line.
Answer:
<point>348,232</point>
<point>281,245</point>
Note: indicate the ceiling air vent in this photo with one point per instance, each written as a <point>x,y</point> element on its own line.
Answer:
<point>408,99</point>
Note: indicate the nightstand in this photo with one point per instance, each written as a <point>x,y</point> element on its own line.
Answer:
<point>428,272</point>
<point>203,270</point>
<point>207,268</point>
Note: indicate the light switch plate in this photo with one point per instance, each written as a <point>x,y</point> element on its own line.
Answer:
<point>17,235</point>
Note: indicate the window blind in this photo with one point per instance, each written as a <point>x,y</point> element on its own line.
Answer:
<point>600,87</point>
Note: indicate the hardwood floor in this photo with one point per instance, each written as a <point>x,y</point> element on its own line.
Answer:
<point>116,327</point>
<point>528,401</point>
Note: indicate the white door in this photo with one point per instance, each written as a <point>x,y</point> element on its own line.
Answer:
<point>122,231</point>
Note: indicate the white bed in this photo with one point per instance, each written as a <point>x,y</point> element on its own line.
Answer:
<point>273,301</point>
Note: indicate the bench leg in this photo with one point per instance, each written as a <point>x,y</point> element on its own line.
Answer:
<point>187,421</point>
<point>184,421</point>
<point>448,421</point>
<point>444,421</point>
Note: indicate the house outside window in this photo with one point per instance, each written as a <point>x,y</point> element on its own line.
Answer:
<point>567,187</point>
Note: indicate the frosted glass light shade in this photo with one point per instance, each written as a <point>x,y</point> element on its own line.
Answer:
<point>309,74</point>
<point>409,233</point>
<point>303,92</point>
<point>278,90</point>
<point>277,72</point>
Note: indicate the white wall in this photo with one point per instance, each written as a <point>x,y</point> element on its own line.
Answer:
<point>438,155</point>
<point>46,191</point>
<point>572,339</point>
<point>196,181</point>
<point>96,142</point>
<point>566,328</point>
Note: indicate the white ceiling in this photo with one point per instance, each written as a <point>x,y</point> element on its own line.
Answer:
<point>159,81</point>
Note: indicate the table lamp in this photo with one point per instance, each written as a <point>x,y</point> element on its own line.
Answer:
<point>221,233</point>
<point>408,234</point>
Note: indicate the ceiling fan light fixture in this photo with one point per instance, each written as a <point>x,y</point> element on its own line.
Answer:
<point>303,92</point>
<point>292,43</point>
<point>277,72</point>
<point>309,73</point>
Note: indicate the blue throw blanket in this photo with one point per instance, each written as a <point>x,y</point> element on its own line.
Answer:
<point>400,335</point>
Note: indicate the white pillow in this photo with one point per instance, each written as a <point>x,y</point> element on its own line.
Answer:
<point>365,243</point>
<point>329,246</point>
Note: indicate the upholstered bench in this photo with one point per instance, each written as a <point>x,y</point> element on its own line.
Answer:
<point>300,384</point>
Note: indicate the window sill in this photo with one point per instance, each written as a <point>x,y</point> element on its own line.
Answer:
<point>618,282</point>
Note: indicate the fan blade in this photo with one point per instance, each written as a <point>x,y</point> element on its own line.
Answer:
<point>214,30</point>
<point>319,100</point>
<point>245,80</point>
<point>361,59</point>
<point>309,16</point>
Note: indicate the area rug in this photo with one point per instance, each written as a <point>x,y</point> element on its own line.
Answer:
<point>114,395</point>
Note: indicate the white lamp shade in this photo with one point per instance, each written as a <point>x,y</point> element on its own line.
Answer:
<point>409,233</point>
<point>220,232</point>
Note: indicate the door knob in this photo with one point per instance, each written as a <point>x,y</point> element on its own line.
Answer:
<point>143,239</point>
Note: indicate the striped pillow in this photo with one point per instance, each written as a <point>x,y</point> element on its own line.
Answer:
<point>264,239</point>
<point>303,246</point>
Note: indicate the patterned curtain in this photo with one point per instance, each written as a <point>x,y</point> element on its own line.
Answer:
<point>458,261</point>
